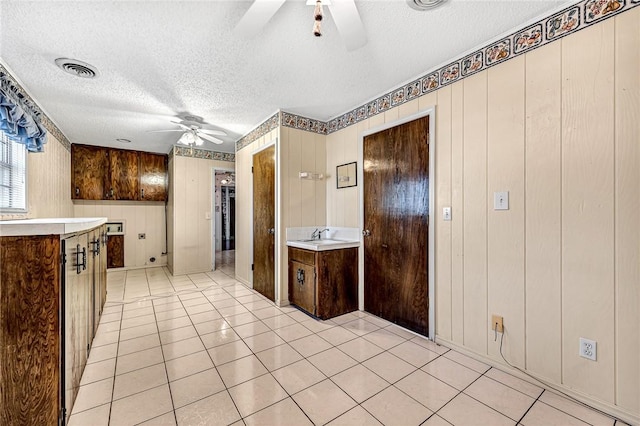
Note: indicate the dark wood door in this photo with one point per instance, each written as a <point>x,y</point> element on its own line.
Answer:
<point>264,173</point>
<point>124,175</point>
<point>153,177</point>
<point>89,172</point>
<point>302,286</point>
<point>396,207</point>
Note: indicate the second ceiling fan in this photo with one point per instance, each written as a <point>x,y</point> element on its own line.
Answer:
<point>344,13</point>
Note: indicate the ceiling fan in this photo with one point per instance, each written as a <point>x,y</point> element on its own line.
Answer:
<point>344,13</point>
<point>193,133</point>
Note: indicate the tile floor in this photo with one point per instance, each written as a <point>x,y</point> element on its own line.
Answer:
<point>204,349</point>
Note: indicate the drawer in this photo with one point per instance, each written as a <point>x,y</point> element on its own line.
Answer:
<point>302,256</point>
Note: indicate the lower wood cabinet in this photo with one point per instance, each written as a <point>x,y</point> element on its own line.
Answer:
<point>324,283</point>
<point>52,291</point>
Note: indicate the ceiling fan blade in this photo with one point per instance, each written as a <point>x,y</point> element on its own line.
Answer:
<point>212,132</point>
<point>345,15</point>
<point>257,17</point>
<point>210,138</point>
<point>184,126</point>
<point>159,131</point>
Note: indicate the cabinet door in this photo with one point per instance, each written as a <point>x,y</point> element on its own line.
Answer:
<point>77,306</point>
<point>153,177</point>
<point>89,172</point>
<point>124,174</point>
<point>115,251</point>
<point>302,286</point>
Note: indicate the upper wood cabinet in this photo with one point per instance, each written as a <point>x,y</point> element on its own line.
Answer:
<point>124,174</point>
<point>153,177</point>
<point>89,172</point>
<point>99,173</point>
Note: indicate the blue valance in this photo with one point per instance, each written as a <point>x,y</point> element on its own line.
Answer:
<point>19,125</point>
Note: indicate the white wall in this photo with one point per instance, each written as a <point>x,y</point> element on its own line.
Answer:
<point>558,129</point>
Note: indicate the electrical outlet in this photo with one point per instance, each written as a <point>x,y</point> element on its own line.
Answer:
<point>496,323</point>
<point>588,349</point>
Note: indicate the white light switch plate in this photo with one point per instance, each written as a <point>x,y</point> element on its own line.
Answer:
<point>501,200</point>
<point>446,213</point>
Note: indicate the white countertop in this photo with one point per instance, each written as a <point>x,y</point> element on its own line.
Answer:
<point>322,245</point>
<point>49,226</point>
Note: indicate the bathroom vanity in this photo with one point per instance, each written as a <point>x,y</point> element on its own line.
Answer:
<point>323,275</point>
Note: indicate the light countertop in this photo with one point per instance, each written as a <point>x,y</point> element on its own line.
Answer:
<point>49,226</point>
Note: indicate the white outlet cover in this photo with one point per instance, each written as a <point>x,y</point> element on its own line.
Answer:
<point>501,200</point>
<point>446,213</point>
<point>588,349</point>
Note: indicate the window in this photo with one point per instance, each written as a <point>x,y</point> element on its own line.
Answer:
<point>13,175</point>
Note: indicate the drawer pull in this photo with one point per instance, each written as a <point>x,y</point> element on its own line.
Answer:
<point>300,276</point>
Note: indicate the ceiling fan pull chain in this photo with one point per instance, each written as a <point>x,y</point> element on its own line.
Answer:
<point>317,15</point>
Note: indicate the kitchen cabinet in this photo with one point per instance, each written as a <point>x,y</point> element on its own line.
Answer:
<point>115,251</point>
<point>50,284</point>
<point>123,170</point>
<point>99,173</point>
<point>324,283</point>
<point>89,172</point>
<point>153,177</point>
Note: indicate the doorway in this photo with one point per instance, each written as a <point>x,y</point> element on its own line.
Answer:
<point>264,197</point>
<point>396,228</point>
<point>224,218</point>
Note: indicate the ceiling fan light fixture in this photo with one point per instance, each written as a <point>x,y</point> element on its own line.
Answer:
<point>423,5</point>
<point>188,138</point>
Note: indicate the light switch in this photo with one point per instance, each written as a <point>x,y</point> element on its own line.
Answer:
<point>446,213</point>
<point>501,200</point>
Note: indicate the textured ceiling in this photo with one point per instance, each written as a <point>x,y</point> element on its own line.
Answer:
<point>161,59</point>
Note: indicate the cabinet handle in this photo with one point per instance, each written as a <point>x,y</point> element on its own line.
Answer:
<point>110,195</point>
<point>82,253</point>
<point>96,247</point>
<point>271,231</point>
<point>77,191</point>
<point>142,193</point>
<point>300,276</point>
<point>366,233</point>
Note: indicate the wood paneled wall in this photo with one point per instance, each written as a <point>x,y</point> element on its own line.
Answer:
<point>140,217</point>
<point>302,202</point>
<point>559,129</point>
<point>48,183</point>
<point>190,201</point>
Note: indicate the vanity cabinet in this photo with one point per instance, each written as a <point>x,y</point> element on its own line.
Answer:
<point>99,173</point>
<point>324,283</point>
<point>51,298</point>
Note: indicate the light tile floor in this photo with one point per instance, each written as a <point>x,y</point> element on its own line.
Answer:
<point>203,349</point>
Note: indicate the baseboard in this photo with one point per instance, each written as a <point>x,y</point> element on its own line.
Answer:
<point>613,410</point>
<point>131,268</point>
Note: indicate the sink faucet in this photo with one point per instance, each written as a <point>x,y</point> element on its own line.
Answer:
<point>316,235</point>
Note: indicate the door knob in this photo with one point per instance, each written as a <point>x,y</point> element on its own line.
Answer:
<point>366,233</point>
<point>271,231</point>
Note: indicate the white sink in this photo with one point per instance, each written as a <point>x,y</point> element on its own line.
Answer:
<point>321,245</point>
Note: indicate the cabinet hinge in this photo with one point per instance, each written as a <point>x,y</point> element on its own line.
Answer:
<point>252,266</point>
<point>63,258</point>
<point>251,169</point>
<point>428,138</point>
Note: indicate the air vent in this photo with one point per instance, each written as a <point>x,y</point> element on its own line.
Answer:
<point>424,4</point>
<point>77,68</point>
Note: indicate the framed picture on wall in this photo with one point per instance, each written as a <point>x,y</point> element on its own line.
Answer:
<point>346,175</point>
